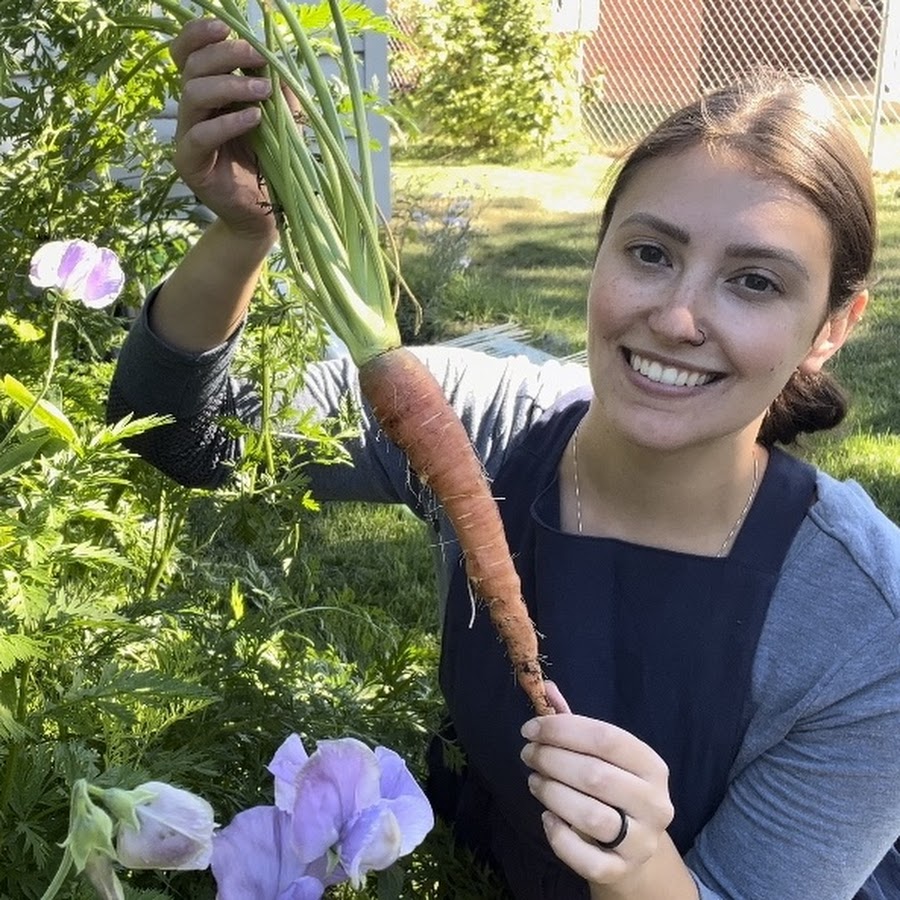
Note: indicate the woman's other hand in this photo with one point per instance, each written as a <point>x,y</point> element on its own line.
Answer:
<point>217,110</point>
<point>585,772</point>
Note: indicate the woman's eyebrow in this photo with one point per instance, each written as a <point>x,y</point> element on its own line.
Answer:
<point>657,224</point>
<point>763,251</point>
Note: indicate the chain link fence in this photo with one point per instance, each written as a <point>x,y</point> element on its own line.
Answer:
<point>641,59</point>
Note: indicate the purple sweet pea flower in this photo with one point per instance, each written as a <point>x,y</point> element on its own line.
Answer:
<point>286,764</point>
<point>363,807</point>
<point>339,813</point>
<point>338,782</point>
<point>79,270</point>
<point>253,857</point>
<point>403,796</point>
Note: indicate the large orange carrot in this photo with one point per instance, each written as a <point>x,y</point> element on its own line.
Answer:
<point>329,226</point>
<point>414,413</point>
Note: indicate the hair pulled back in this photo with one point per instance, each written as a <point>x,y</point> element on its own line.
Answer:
<point>787,129</point>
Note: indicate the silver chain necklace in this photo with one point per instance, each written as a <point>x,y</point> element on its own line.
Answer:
<point>734,528</point>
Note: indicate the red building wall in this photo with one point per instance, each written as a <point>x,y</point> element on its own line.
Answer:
<point>662,52</point>
<point>648,50</point>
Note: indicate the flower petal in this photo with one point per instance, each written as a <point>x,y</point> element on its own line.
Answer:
<point>175,831</point>
<point>414,818</point>
<point>75,268</point>
<point>338,781</point>
<point>45,264</point>
<point>373,841</point>
<point>252,857</point>
<point>405,798</point>
<point>105,280</point>
<point>286,764</point>
<point>305,888</point>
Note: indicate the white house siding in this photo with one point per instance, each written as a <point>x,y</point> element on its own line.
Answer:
<point>372,49</point>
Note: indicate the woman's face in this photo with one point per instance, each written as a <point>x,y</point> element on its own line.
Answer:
<point>697,242</point>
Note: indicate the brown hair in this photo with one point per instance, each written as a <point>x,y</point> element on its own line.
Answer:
<point>786,128</point>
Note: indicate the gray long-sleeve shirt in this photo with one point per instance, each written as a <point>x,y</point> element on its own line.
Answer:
<point>813,801</point>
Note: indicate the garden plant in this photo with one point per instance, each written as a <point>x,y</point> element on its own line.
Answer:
<point>132,609</point>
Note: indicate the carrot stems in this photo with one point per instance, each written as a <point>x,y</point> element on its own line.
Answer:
<point>328,222</point>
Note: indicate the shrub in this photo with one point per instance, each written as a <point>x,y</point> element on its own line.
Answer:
<point>493,79</point>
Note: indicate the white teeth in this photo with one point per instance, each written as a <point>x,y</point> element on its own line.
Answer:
<point>667,375</point>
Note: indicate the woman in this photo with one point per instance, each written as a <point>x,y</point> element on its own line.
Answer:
<point>720,617</point>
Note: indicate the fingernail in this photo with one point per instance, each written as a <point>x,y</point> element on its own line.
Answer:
<point>527,752</point>
<point>532,782</point>
<point>260,87</point>
<point>217,28</point>
<point>251,115</point>
<point>530,729</point>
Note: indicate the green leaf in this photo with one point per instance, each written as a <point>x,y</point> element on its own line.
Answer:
<point>42,410</point>
<point>10,729</point>
<point>127,428</point>
<point>16,648</point>
<point>22,453</point>
<point>390,882</point>
<point>25,331</point>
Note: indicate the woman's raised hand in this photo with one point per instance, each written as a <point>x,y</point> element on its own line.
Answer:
<point>596,780</point>
<point>217,109</point>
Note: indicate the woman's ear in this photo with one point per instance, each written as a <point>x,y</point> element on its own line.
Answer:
<point>834,333</point>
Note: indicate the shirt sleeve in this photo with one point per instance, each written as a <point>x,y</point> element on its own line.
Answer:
<point>496,399</point>
<point>814,814</point>
<point>195,390</point>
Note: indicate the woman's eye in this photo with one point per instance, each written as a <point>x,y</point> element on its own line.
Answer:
<point>757,283</point>
<point>649,254</point>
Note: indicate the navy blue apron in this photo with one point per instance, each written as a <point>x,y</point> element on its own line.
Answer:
<point>658,642</point>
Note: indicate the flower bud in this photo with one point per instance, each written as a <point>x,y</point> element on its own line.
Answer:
<point>90,828</point>
<point>99,871</point>
<point>174,830</point>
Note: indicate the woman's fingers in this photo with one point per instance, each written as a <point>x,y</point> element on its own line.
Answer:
<point>554,695</point>
<point>593,779</point>
<point>196,153</point>
<point>196,34</point>
<point>220,58</point>
<point>593,863</point>
<point>599,785</point>
<point>206,97</point>
<point>594,819</point>
<point>599,739</point>
<point>599,822</point>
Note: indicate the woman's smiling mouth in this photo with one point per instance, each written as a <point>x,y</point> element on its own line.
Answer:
<point>659,373</point>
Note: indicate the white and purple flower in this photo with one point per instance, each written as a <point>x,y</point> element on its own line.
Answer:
<point>170,829</point>
<point>79,270</point>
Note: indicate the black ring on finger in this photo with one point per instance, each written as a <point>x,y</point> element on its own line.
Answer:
<point>623,833</point>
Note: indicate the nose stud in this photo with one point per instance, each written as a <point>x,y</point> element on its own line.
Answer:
<point>702,340</point>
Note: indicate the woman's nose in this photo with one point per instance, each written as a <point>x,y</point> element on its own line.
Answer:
<point>677,316</point>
